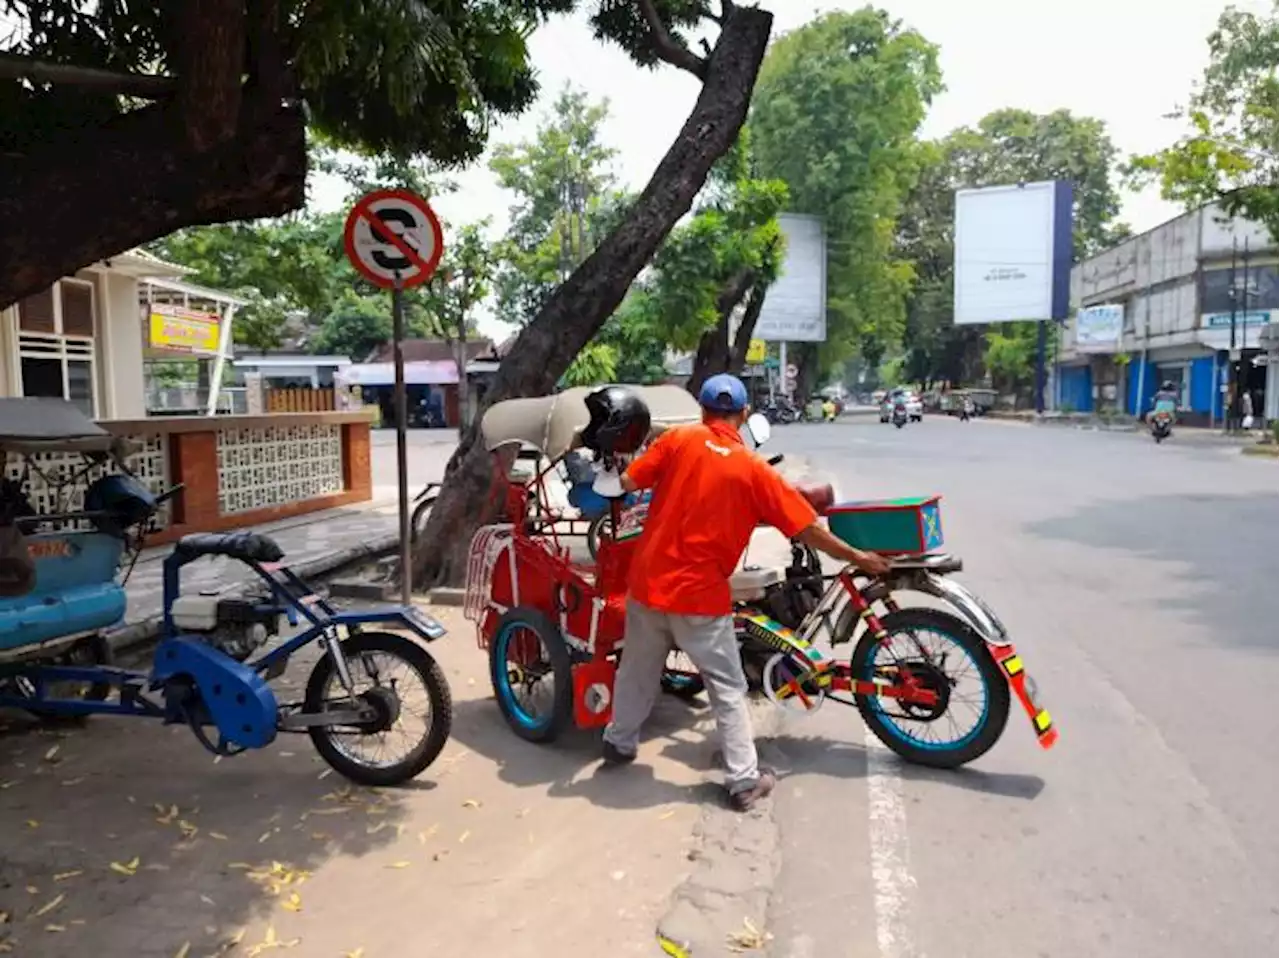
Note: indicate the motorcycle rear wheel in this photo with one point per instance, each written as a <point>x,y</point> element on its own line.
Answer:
<point>919,751</point>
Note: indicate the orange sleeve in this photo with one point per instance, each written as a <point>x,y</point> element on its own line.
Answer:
<point>779,504</point>
<point>646,470</point>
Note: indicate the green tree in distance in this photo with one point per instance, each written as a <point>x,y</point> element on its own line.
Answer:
<point>834,117</point>
<point>194,112</point>
<point>1229,154</point>
<point>563,182</point>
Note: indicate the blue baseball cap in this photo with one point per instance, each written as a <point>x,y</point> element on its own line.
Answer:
<point>723,393</point>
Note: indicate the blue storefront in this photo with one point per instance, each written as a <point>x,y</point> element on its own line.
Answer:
<point>1196,379</point>
<point>1075,392</point>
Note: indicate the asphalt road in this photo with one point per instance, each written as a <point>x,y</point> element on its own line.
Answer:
<point>1139,583</point>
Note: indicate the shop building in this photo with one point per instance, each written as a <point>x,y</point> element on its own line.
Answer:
<point>1190,311</point>
<point>90,339</point>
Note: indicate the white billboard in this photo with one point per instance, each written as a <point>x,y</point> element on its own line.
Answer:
<point>1013,253</point>
<point>1099,329</point>
<point>795,308</point>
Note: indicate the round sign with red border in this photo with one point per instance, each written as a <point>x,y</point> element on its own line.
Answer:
<point>393,233</point>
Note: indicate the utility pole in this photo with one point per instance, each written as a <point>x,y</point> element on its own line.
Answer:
<point>1233,397</point>
<point>1138,400</point>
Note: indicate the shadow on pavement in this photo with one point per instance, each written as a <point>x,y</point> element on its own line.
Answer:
<point>1238,602</point>
<point>570,767</point>
<point>812,755</point>
<point>127,838</point>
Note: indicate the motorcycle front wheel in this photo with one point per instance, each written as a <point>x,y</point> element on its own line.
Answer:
<point>383,668</point>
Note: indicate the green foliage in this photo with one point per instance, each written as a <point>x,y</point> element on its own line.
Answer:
<point>834,117</point>
<point>594,366</point>
<point>1009,355</point>
<point>294,272</point>
<point>1229,153</point>
<point>354,326</point>
<point>564,202</point>
<point>390,76</point>
<point>707,265</point>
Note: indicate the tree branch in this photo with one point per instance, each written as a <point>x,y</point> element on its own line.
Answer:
<point>668,49</point>
<point>14,66</point>
<point>158,185</point>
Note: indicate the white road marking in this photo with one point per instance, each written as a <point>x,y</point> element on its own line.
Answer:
<point>893,885</point>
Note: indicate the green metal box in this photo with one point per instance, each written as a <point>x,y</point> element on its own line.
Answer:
<point>907,526</point>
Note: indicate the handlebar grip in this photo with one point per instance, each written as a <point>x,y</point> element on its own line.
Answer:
<point>776,459</point>
<point>170,493</point>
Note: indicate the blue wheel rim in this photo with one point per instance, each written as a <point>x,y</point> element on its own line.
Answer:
<point>891,723</point>
<point>502,677</point>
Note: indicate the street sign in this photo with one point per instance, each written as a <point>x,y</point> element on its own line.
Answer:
<point>393,234</point>
<point>756,351</point>
<point>394,240</point>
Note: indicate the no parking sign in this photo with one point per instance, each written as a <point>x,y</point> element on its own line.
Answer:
<point>393,234</point>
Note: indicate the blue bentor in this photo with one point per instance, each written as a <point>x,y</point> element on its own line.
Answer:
<point>61,594</point>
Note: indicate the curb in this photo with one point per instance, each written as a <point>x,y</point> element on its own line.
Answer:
<point>139,633</point>
<point>1261,451</point>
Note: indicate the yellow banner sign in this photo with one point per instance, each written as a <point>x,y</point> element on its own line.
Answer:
<point>180,330</point>
<point>756,352</point>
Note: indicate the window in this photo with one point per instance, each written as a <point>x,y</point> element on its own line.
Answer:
<point>1260,281</point>
<point>55,344</point>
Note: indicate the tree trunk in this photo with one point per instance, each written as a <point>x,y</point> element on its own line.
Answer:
<point>747,329</point>
<point>715,354</point>
<point>579,307</point>
<point>59,213</point>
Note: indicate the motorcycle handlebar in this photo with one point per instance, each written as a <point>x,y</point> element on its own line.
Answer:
<point>776,459</point>
<point>170,493</point>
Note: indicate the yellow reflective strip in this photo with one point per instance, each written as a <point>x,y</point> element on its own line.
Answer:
<point>669,947</point>
<point>1043,721</point>
<point>1013,665</point>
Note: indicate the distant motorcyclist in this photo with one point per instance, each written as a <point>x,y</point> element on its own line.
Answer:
<point>1166,392</point>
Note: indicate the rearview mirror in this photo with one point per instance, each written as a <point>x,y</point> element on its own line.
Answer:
<point>758,429</point>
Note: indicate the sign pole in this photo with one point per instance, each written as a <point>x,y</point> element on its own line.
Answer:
<point>402,439</point>
<point>394,240</point>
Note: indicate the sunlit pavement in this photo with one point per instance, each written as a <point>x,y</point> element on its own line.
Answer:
<point>1139,582</point>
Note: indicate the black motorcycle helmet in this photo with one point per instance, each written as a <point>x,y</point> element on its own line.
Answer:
<point>619,421</point>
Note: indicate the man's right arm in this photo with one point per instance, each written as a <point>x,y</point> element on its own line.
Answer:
<point>644,471</point>
<point>790,513</point>
<point>819,537</point>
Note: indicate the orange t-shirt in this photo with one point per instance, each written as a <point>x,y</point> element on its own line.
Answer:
<point>709,494</point>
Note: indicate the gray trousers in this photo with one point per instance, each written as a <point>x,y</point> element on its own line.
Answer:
<point>709,641</point>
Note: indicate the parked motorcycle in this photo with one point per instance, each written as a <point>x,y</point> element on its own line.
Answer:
<point>903,684</point>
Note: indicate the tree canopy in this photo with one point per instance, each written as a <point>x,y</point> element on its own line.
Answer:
<point>835,117</point>
<point>194,112</point>
<point>1229,153</point>
<point>564,190</point>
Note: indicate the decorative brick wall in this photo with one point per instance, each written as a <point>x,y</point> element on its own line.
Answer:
<point>240,471</point>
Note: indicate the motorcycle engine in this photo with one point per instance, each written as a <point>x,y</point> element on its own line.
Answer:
<point>235,627</point>
<point>790,601</point>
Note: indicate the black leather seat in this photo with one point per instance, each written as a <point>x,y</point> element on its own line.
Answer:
<point>943,563</point>
<point>245,546</point>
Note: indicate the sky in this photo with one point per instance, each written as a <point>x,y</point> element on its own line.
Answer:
<point>1127,62</point>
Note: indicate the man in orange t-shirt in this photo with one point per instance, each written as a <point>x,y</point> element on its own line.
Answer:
<point>709,494</point>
